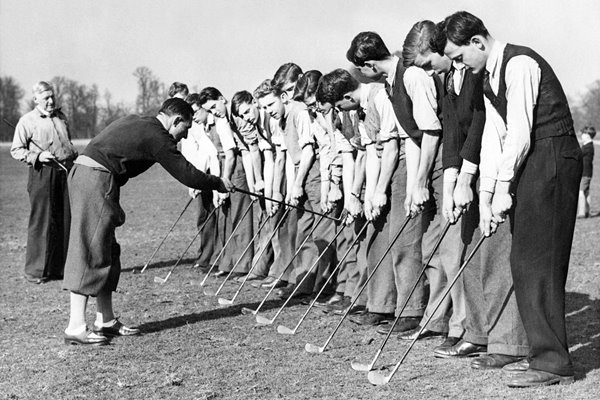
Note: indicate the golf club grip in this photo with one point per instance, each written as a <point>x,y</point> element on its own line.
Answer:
<point>236,189</point>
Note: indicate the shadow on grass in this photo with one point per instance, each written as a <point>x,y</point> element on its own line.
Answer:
<point>583,328</point>
<point>218,313</point>
<point>160,264</point>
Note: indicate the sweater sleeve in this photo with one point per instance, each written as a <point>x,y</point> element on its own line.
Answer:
<point>471,149</point>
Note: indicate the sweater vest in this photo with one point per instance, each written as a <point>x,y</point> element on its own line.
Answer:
<point>403,106</point>
<point>551,114</point>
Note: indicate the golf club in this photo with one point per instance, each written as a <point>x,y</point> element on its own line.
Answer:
<point>311,348</point>
<point>211,292</point>
<point>226,302</point>
<point>247,311</point>
<point>36,145</point>
<point>284,330</point>
<point>265,321</point>
<point>236,189</point>
<point>168,233</point>
<point>160,280</point>
<point>358,366</point>
<point>376,377</point>
<point>227,242</point>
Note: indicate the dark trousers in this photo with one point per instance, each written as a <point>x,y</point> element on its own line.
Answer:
<point>546,203</point>
<point>49,221</point>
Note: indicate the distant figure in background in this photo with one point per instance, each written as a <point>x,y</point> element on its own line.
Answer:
<point>587,148</point>
<point>179,90</point>
<point>48,232</point>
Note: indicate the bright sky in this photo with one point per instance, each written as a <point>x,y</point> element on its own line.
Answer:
<point>235,44</point>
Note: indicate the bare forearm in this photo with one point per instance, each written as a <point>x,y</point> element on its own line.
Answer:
<point>389,161</point>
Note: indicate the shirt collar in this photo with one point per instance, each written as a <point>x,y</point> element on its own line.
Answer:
<point>44,114</point>
<point>495,58</point>
<point>391,76</point>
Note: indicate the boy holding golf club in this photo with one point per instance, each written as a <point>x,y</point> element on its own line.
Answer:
<point>123,150</point>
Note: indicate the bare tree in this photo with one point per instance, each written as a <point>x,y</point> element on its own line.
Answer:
<point>11,95</point>
<point>150,92</point>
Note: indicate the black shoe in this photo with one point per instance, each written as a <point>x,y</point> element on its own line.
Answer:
<point>339,306</point>
<point>403,325</point>
<point>116,329</point>
<point>426,334</point>
<point>459,350</point>
<point>35,279</point>
<point>336,298</point>
<point>534,377</point>
<point>270,281</point>
<point>371,318</point>
<point>356,310</point>
<point>286,292</point>
<point>494,361</point>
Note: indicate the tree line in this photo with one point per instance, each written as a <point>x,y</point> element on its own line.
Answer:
<point>89,112</point>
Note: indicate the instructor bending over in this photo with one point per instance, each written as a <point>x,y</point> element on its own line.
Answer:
<point>123,150</point>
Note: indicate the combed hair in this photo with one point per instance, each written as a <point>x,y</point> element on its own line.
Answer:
<point>438,42</point>
<point>265,88</point>
<point>286,74</point>
<point>307,85</point>
<point>418,41</point>
<point>238,99</point>
<point>178,87</point>
<point>209,93</point>
<point>367,46</point>
<point>590,130</point>
<point>41,86</point>
<point>193,98</point>
<point>461,26</point>
<point>177,106</point>
<point>333,86</point>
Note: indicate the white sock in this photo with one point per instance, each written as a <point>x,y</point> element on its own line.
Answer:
<point>99,322</point>
<point>76,331</point>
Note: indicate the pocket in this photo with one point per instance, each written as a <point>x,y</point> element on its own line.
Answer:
<point>574,154</point>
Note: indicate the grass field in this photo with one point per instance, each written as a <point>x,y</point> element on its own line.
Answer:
<point>194,349</point>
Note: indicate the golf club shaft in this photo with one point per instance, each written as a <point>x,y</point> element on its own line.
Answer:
<point>337,267</point>
<point>315,225</point>
<point>439,303</point>
<point>312,267</point>
<point>189,245</point>
<point>168,233</point>
<point>242,255</point>
<point>228,240</point>
<point>236,189</point>
<point>387,250</point>
<point>434,250</point>
<point>279,223</point>
<point>36,145</point>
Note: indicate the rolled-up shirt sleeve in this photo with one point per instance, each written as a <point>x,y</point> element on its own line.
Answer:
<point>522,77</point>
<point>20,145</point>
<point>304,129</point>
<point>421,90</point>
<point>388,128</point>
<point>225,134</point>
<point>491,150</point>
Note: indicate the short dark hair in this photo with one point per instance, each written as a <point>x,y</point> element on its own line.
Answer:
<point>265,88</point>
<point>367,46</point>
<point>209,93</point>
<point>177,106</point>
<point>178,87</point>
<point>461,26</point>
<point>438,42</point>
<point>334,85</point>
<point>307,85</point>
<point>193,98</point>
<point>238,99</point>
<point>417,41</point>
<point>286,74</point>
<point>590,130</point>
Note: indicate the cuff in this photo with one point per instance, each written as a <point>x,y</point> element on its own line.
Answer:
<point>468,167</point>
<point>450,175</point>
<point>487,185</point>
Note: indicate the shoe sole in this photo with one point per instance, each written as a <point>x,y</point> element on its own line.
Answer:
<point>476,354</point>
<point>78,343</point>
<point>561,380</point>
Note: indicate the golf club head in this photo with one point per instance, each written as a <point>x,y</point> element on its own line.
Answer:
<point>284,330</point>
<point>225,302</point>
<point>311,348</point>
<point>135,271</point>
<point>263,320</point>
<point>358,366</point>
<point>247,311</point>
<point>209,292</point>
<point>377,378</point>
<point>160,280</point>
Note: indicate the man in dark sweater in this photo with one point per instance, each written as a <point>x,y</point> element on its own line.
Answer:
<point>123,150</point>
<point>529,152</point>
<point>587,148</point>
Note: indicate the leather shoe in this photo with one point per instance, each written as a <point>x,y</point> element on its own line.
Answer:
<point>403,325</point>
<point>337,297</point>
<point>493,361</point>
<point>270,281</point>
<point>371,318</point>
<point>35,279</point>
<point>356,310</point>
<point>286,292</point>
<point>447,343</point>
<point>460,349</point>
<point>426,334</point>
<point>517,367</point>
<point>116,329</point>
<point>220,274</point>
<point>341,305</point>
<point>535,377</point>
<point>86,337</point>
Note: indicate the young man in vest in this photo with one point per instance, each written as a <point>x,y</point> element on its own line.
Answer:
<point>385,191</point>
<point>493,321</point>
<point>529,151</point>
<point>236,167</point>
